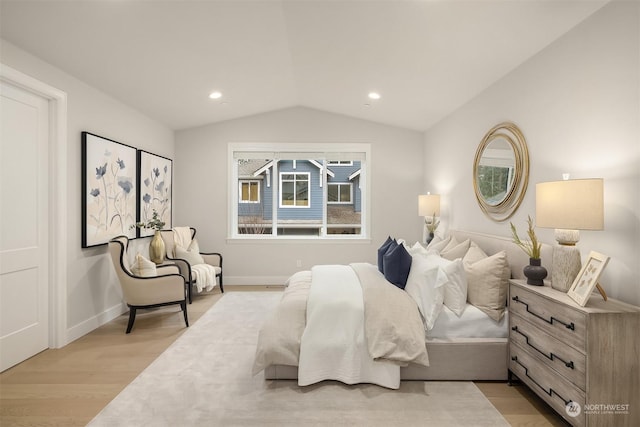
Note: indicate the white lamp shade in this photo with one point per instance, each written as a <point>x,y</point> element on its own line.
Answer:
<point>576,204</point>
<point>429,205</point>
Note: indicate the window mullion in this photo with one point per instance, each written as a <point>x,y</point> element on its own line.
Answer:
<point>325,197</point>
<point>275,199</point>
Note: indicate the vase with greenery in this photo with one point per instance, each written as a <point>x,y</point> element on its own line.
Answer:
<point>431,227</point>
<point>534,272</point>
<point>156,246</point>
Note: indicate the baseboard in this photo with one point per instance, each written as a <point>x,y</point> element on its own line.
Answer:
<point>95,322</point>
<point>255,280</point>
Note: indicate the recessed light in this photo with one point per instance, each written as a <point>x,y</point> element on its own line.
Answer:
<point>215,95</point>
<point>374,95</point>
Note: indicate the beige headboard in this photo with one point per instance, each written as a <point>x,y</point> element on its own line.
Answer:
<point>516,256</point>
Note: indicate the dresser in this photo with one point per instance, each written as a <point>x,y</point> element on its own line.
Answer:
<point>583,361</point>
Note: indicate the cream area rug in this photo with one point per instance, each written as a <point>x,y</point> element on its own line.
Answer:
<point>204,379</point>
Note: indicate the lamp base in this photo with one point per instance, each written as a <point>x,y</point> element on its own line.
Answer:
<point>565,266</point>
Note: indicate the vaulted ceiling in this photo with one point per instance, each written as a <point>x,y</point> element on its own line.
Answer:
<point>425,58</point>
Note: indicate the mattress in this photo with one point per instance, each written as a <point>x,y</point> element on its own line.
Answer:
<point>472,324</point>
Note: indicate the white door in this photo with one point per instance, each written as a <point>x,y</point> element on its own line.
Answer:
<point>24,207</point>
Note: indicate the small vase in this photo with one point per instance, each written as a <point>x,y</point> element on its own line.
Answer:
<point>534,272</point>
<point>156,248</point>
<point>430,237</point>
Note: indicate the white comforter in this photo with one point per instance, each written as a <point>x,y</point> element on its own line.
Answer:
<point>333,345</point>
<point>393,329</point>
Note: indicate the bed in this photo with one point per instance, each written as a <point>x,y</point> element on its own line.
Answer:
<point>458,347</point>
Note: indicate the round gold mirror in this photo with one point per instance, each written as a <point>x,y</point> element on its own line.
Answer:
<point>501,171</point>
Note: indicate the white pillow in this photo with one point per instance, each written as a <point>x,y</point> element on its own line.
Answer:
<point>415,250</point>
<point>455,290</point>
<point>191,255</point>
<point>143,267</point>
<point>425,285</point>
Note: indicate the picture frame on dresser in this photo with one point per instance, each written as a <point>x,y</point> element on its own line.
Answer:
<point>587,278</point>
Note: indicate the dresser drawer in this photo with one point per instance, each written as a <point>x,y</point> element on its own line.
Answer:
<point>554,389</point>
<point>566,360</point>
<point>558,320</point>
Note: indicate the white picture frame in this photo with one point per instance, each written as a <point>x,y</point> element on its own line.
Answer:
<point>587,278</point>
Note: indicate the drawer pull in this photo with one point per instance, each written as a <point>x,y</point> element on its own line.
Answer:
<point>550,320</point>
<point>549,356</point>
<point>550,392</point>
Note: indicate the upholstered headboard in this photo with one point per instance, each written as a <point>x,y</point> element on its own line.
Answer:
<point>516,256</point>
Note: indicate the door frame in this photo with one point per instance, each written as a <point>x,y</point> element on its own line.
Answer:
<point>57,205</point>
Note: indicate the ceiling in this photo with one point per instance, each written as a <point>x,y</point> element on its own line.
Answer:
<point>425,58</point>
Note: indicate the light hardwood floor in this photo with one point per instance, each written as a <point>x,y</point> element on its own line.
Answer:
<point>69,386</point>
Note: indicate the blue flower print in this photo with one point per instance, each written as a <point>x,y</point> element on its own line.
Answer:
<point>120,163</point>
<point>95,192</point>
<point>156,172</point>
<point>100,171</point>
<point>125,184</point>
<point>146,182</point>
<point>146,198</point>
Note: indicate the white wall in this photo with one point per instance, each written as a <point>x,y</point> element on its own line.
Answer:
<point>578,104</point>
<point>201,189</point>
<point>93,294</point>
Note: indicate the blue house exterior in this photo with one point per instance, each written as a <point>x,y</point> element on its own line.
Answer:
<point>301,199</point>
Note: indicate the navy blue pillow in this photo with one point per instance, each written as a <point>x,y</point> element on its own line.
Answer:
<point>383,250</point>
<point>397,263</point>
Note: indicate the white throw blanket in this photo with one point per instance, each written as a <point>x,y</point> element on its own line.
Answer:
<point>204,276</point>
<point>182,237</point>
<point>333,345</point>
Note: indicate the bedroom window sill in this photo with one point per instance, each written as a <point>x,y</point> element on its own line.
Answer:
<point>301,239</point>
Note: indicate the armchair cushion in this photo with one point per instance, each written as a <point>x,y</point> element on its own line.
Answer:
<point>181,238</point>
<point>143,267</point>
<point>191,254</point>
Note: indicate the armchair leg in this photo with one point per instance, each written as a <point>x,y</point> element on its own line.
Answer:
<point>132,318</point>
<point>221,287</point>
<point>183,305</point>
<point>189,290</point>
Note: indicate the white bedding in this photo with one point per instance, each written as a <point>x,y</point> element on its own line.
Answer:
<point>333,345</point>
<point>472,324</point>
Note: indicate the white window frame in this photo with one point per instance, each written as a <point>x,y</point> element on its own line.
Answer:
<point>248,181</point>
<point>294,206</point>
<point>324,152</point>
<point>339,184</point>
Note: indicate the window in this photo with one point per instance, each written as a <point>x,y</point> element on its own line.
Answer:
<point>298,191</point>
<point>249,192</point>
<point>294,190</point>
<point>339,193</point>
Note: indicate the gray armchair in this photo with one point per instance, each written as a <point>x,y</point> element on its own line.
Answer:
<point>146,292</point>
<point>211,258</point>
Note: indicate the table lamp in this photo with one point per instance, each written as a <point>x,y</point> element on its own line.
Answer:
<point>429,207</point>
<point>569,206</point>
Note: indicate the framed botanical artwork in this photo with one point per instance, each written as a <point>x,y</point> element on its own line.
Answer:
<point>587,278</point>
<point>108,189</point>
<point>154,190</point>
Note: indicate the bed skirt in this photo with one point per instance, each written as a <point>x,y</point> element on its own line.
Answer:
<point>463,359</point>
